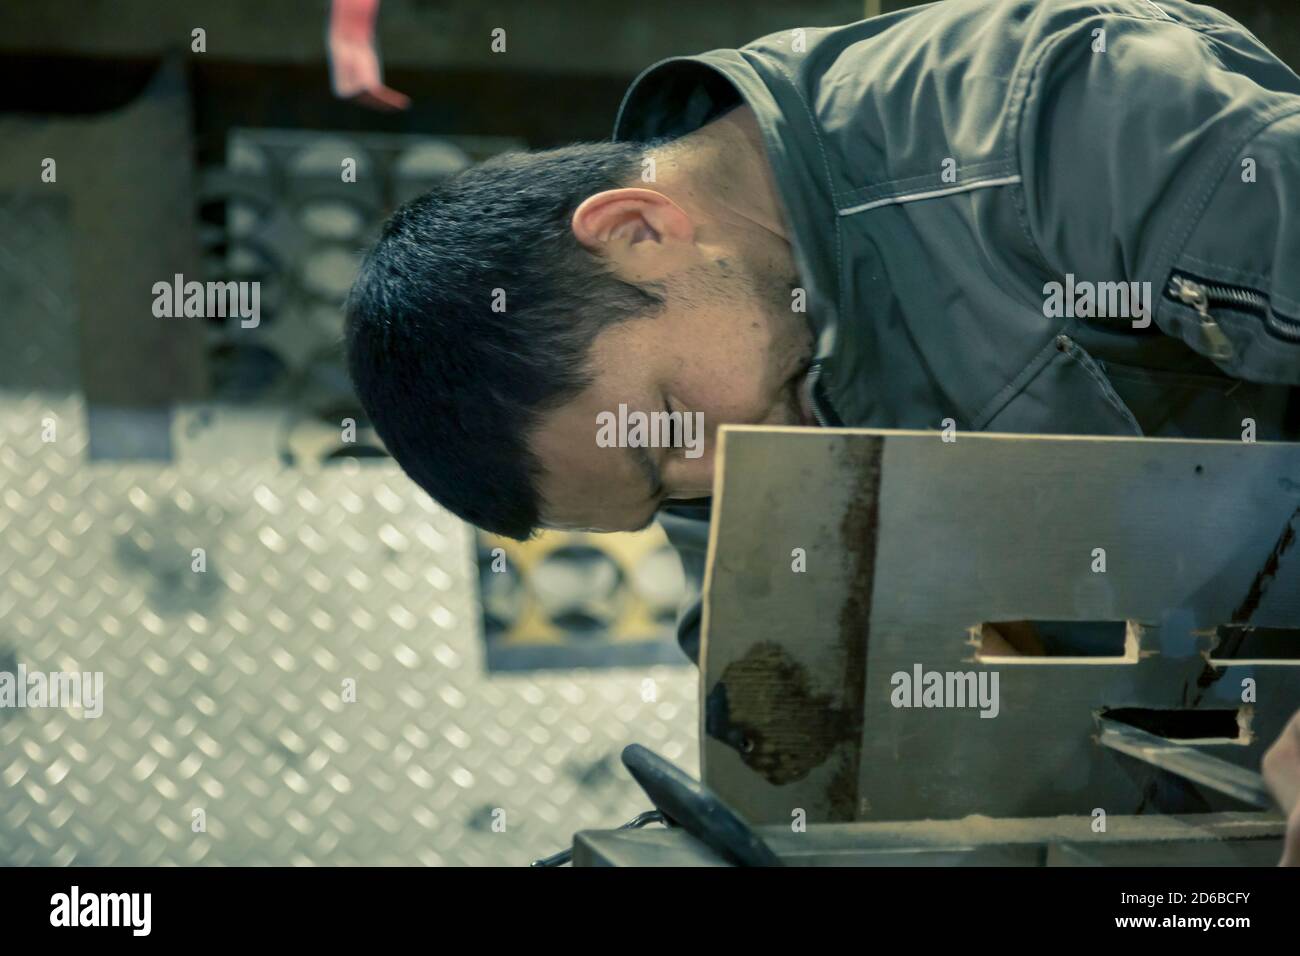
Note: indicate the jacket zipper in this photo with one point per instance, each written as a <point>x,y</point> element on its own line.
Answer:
<point>1201,295</point>
<point>814,373</point>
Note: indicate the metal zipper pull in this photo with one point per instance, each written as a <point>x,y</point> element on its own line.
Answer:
<point>1194,294</point>
<point>814,373</point>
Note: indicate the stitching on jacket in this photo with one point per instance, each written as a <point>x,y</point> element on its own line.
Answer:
<point>826,171</point>
<point>1035,365</point>
<point>897,187</point>
<point>931,194</point>
<point>1159,9</point>
<point>1221,272</point>
<point>1028,77</point>
<point>1020,95</point>
<point>1089,365</point>
<point>1251,278</point>
<point>1038,364</point>
<point>1167,378</point>
<point>1213,178</point>
<point>1289,305</point>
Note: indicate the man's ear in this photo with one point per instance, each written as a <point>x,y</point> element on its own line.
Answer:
<point>640,230</point>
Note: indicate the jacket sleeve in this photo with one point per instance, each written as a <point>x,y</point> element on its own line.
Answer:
<point>1166,152</point>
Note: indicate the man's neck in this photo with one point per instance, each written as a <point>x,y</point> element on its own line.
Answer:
<point>722,170</point>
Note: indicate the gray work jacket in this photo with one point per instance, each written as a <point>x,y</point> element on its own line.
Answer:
<point>955,175</point>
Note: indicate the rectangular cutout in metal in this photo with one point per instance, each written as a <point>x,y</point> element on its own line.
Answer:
<point>1189,762</point>
<point>1204,726</point>
<point>1243,644</point>
<point>1056,642</point>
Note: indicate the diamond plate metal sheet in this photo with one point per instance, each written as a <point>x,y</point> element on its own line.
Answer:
<point>224,689</point>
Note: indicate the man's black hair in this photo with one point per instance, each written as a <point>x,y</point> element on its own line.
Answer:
<point>455,386</point>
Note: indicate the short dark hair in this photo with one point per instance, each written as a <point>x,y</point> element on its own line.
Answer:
<point>455,387</point>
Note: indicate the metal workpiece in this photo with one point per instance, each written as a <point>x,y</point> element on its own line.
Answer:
<point>1211,839</point>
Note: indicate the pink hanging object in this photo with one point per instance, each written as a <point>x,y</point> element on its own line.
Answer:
<point>354,62</point>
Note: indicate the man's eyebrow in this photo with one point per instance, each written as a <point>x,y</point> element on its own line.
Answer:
<point>649,468</point>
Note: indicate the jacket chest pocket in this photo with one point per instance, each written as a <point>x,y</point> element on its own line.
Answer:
<point>1173,404</point>
<point>1061,391</point>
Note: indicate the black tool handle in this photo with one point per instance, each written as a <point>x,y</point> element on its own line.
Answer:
<point>696,809</point>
